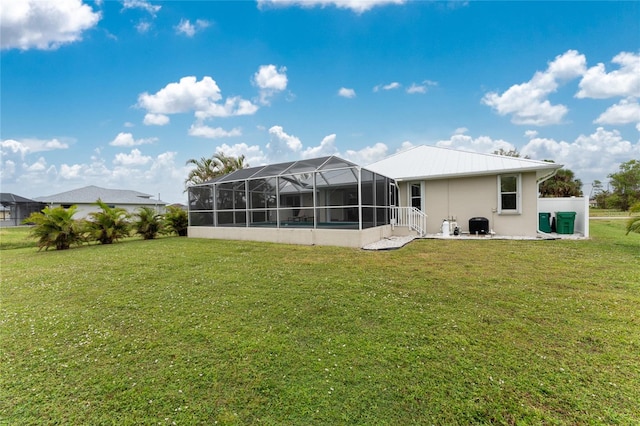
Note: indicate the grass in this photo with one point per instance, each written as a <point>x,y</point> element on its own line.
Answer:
<point>191,331</point>
<point>596,212</point>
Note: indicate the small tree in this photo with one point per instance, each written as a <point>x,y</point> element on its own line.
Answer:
<point>176,220</point>
<point>55,227</point>
<point>562,184</point>
<point>633,225</point>
<point>147,223</point>
<point>626,185</point>
<point>108,225</point>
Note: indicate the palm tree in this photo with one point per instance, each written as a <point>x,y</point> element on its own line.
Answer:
<point>147,223</point>
<point>56,227</point>
<point>633,225</point>
<point>229,163</point>
<point>108,225</point>
<point>176,220</point>
<point>208,168</point>
<point>562,184</point>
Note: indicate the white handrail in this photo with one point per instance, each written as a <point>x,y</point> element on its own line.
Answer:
<point>410,217</point>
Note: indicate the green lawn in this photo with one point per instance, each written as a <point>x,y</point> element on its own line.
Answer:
<point>440,332</point>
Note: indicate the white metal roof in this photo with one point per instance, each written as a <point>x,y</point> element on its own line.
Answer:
<point>90,194</point>
<point>431,162</point>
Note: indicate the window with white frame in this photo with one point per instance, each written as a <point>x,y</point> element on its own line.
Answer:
<point>509,190</point>
<point>416,195</point>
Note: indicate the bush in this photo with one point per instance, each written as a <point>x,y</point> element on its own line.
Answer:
<point>108,225</point>
<point>55,227</point>
<point>147,223</point>
<point>176,221</point>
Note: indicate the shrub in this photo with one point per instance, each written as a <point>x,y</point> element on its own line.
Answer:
<point>108,225</point>
<point>147,223</point>
<point>176,220</point>
<point>55,227</point>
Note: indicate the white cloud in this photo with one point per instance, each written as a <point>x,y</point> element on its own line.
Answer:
<point>13,146</point>
<point>281,142</point>
<point>530,134</point>
<point>484,144</point>
<point>327,147</point>
<point>591,156</point>
<point>27,146</point>
<point>151,175</point>
<point>7,169</point>
<point>405,146</point>
<point>27,24</point>
<point>71,172</point>
<point>143,27</point>
<point>191,95</point>
<point>367,155</point>
<point>126,139</point>
<point>203,131</point>
<point>391,86</point>
<point>253,155</point>
<point>232,107</point>
<point>460,131</point>
<point>358,6</point>
<point>270,80</point>
<point>155,119</point>
<point>527,103</point>
<point>38,166</point>
<point>347,93</point>
<point>141,4</point>
<point>135,158</point>
<point>186,95</point>
<point>421,88</point>
<point>598,84</point>
<point>624,112</point>
<point>187,28</point>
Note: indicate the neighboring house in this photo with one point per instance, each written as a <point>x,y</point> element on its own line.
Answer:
<point>14,209</point>
<point>458,186</point>
<point>85,199</point>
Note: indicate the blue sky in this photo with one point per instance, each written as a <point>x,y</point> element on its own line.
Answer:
<point>121,94</point>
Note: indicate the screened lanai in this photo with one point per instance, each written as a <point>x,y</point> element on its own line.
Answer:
<point>319,193</point>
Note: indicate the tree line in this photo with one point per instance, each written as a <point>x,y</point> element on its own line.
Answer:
<point>55,226</point>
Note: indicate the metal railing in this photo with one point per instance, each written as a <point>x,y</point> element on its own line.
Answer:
<point>410,217</point>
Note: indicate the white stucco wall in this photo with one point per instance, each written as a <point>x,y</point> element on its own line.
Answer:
<point>320,237</point>
<point>580,205</point>
<point>465,198</point>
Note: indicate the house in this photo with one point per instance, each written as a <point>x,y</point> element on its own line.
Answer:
<point>469,188</point>
<point>14,209</point>
<point>320,201</point>
<point>331,201</point>
<point>85,199</point>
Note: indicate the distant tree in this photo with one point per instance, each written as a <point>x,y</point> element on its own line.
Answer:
<point>562,184</point>
<point>626,185</point>
<point>176,221</point>
<point>509,153</point>
<point>56,227</point>
<point>633,225</point>
<point>208,168</point>
<point>147,222</point>
<point>109,224</point>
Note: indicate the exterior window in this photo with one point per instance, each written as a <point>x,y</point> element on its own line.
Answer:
<point>416,196</point>
<point>509,198</point>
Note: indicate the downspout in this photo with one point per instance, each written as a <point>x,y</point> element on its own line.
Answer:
<point>538,182</point>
